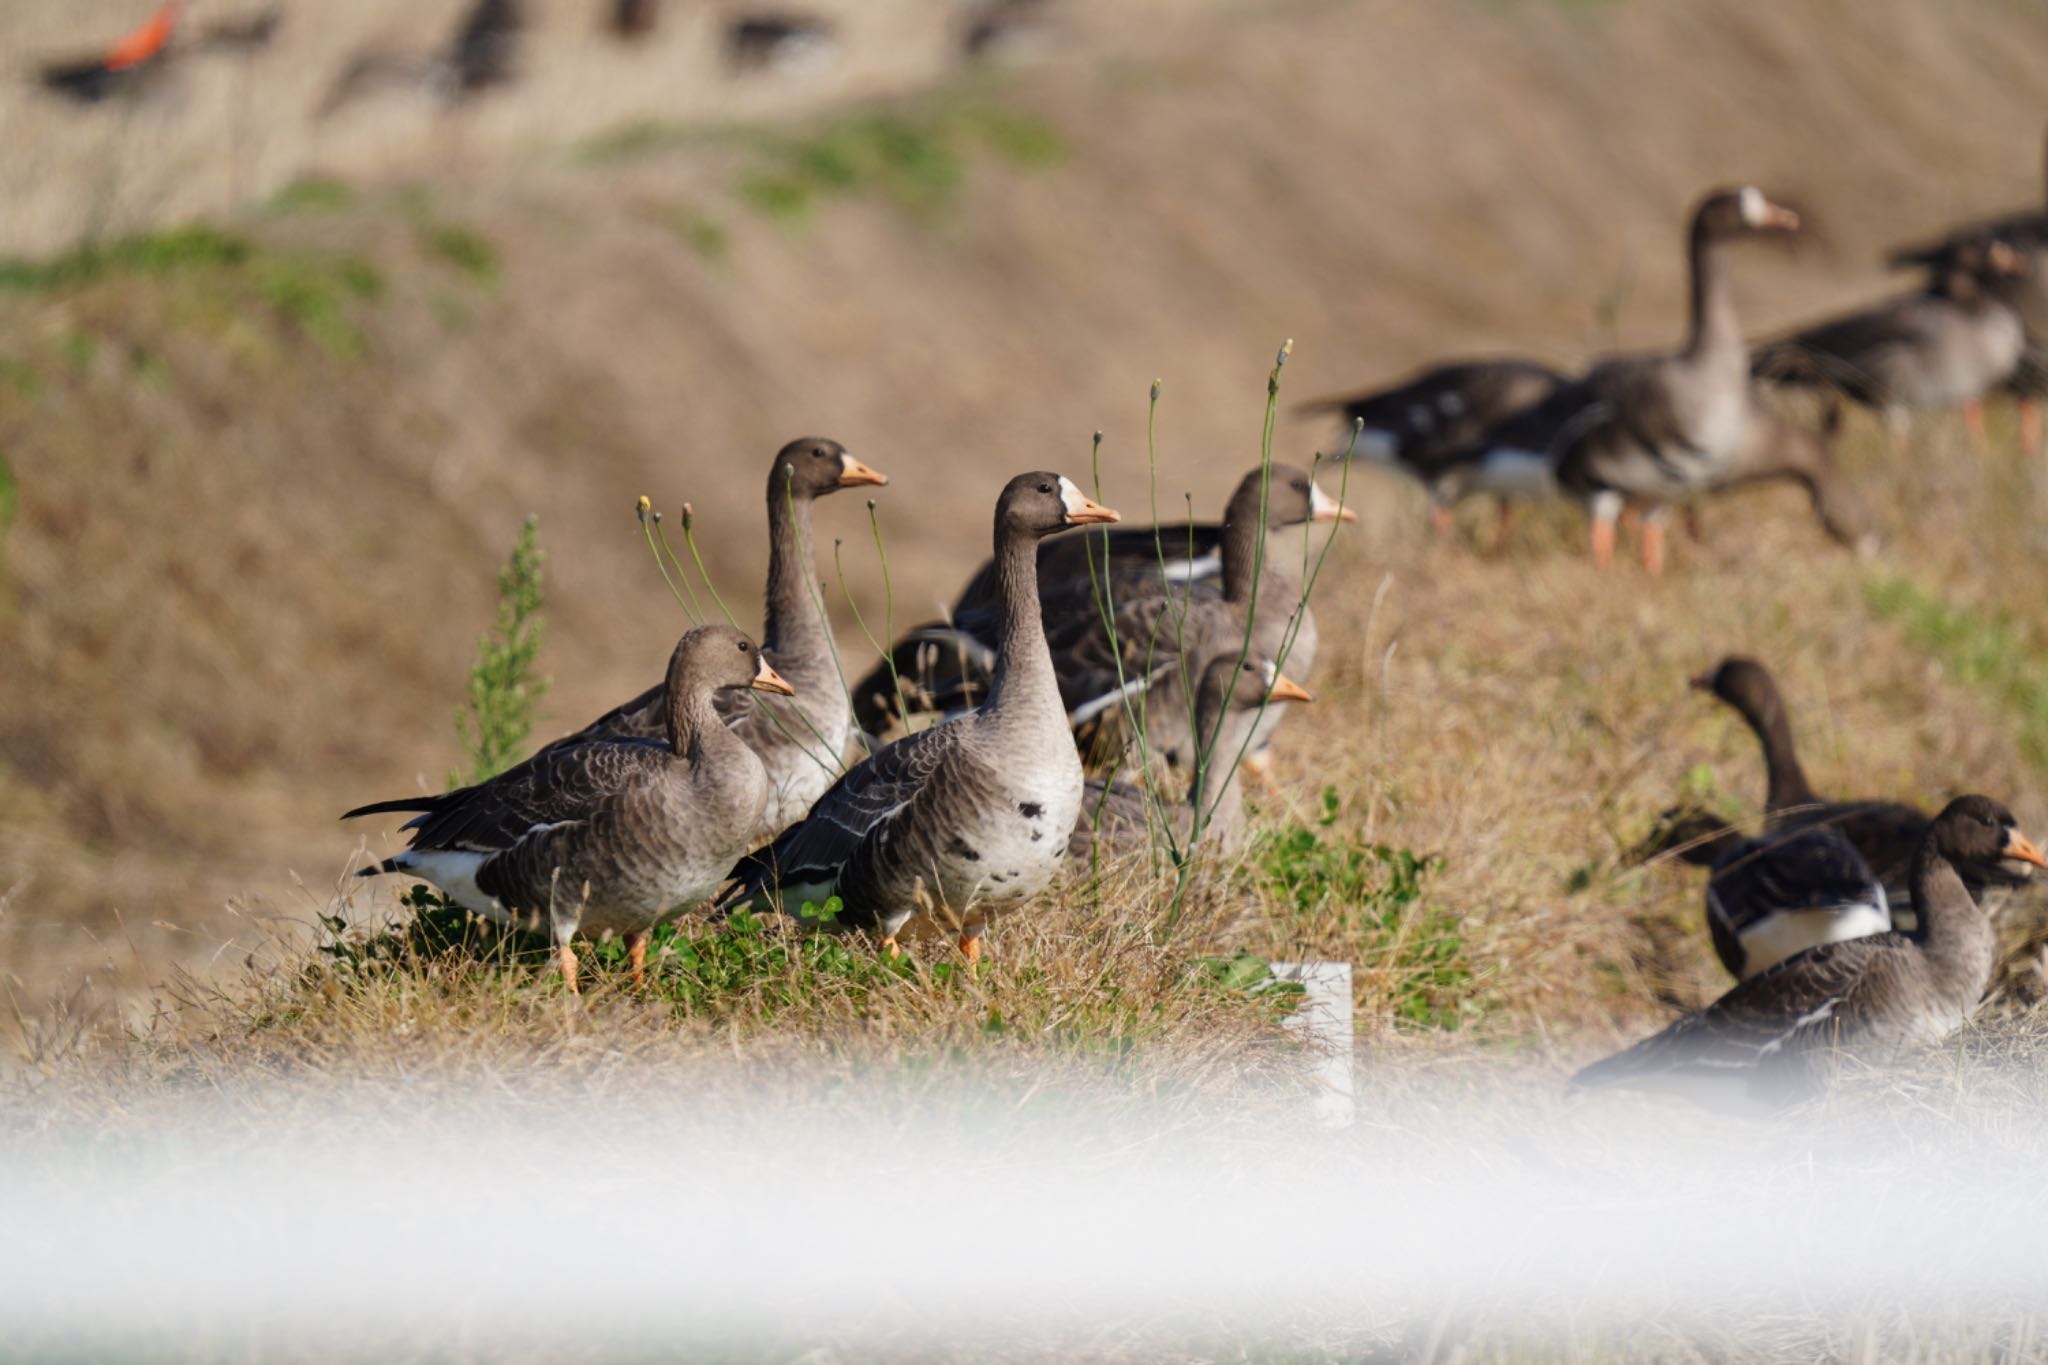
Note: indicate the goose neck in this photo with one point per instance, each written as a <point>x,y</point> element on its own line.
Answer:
<point>1023,667</point>
<point>793,613</point>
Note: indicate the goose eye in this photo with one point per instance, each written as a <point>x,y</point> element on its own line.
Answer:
<point>820,453</point>
<point>1045,488</point>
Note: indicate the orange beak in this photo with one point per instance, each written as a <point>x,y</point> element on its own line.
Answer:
<point>1778,216</point>
<point>852,472</point>
<point>2017,845</point>
<point>1091,513</point>
<point>1287,689</point>
<point>767,679</point>
<point>1323,507</point>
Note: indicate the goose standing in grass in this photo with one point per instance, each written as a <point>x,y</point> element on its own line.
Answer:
<point>1163,630</point>
<point>1778,895</point>
<point>1773,1037</point>
<point>1942,347</point>
<point>968,819</point>
<point>1650,430</point>
<point>1423,424</point>
<point>1119,818</point>
<point>800,741</point>
<point>606,835</point>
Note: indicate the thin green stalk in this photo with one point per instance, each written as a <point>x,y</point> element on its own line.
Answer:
<point>694,610</point>
<point>696,556</point>
<point>649,519</point>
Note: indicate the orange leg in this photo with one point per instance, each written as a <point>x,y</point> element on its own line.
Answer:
<point>565,958</point>
<point>1653,545</point>
<point>1257,768</point>
<point>2030,426</point>
<point>1440,519</point>
<point>890,948</point>
<point>970,946</point>
<point>636,956</point>
<point>1973,421</point>
<point>1603,542</point>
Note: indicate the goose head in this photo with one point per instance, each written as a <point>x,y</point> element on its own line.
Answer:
<point>1744,684</point>
<point>1041,503</point>
<point>1743,211</point>
<point>1250,682</point>
<point>1979,833</point>
<point>812,466</point>
<point>725,659</point>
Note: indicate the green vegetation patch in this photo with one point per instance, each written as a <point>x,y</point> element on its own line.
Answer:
<point>504,688</point>
<point>465,249</point>
<point>1372,895</point>
<point>1988,650</point>
<point>159,253</point>
<point>311,194</point>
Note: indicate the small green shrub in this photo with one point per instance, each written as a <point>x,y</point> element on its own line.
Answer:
<point>1982,650</point>
<point>160,253</point>
<point>504,693</point>
<point>466,250</point>
<point>311,194</point>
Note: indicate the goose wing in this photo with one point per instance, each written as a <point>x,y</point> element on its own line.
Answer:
<point>556,787</point>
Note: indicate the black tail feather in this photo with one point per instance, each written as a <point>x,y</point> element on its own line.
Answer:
<point>403,803</point>
<point>379,869</point>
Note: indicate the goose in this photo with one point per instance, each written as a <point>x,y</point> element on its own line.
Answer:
<point>966,820</point>
<point>1119,817</point>
<point>606,835</point>
<point>1771,1039</point>
<point>1422,423</point>
<point>799,742</point>
<point>1941,347</point>
<point>1778,895</point>
<point>1651,429</point>
<point>1162,631</point>
<point>2026,231</point>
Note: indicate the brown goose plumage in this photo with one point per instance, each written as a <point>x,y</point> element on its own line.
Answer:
<point>968,819</point>
<point>1119,818</point>
<point>606,835</point>
<point>1773,1038</point>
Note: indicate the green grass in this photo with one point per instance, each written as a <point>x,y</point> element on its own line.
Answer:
<point>1371,895</point>
<point>466,250</point>
<point>1987,650</point>
<point>159,253</point>
<point>309,195</point>
<point>10,496</point>
<point>504,690</point>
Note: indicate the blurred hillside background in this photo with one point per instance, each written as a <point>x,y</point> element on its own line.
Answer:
<point>281,372</point>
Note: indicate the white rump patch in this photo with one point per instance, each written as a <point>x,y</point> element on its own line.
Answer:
<point>1189,570</point>
<point>1511,472</point>
<point>454,871</point>
<point>1787,933</point>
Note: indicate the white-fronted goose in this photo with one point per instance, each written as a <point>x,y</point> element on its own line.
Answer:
<point>968,819</point>
<point>606,835</point>
<point>1164,631</point>
<point>1772,1037</point>
<point>1946,346</point>
<point>1649,430</point>
<point>1426,424</point>
<point>800,741</point>
<point>1118,818</point>
<point>1780,894</point>
<point>2026,231</point>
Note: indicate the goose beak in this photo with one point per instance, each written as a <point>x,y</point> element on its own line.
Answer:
<point>1083,510</point>
<point>2006,261</point>
<point>767,679</point>
<point>1285,688</point>
<point>1779,217</point>
<point>2019,846</point>
<point>852,472</point>
<point>1323,507</point>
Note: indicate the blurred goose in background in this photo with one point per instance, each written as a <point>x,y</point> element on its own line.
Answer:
<point>966,820</point>
<point>787,43</point>
<point>801,741</point>
<point>605,836</point>
<point>1780,894</point>
<point>1426,424</point>
<point>1885,834</point>
<point>1944,347</point>
<point>1649,430</point>
<point>1773,1038</point>
<point>1164,632</point>
<point>1118,818</point>
<point>2025,231</point>
<point>136,55</point>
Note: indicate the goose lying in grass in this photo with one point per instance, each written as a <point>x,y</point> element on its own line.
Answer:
<point>606,836</point>
<point>1774,1037</point>
<point>800,742</point>
<point>967,820</point>
<point>1163,630</point>
<point>1120,818</point>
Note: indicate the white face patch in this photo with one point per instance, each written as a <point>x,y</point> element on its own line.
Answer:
<point>1753,203</point>
<point>1072,496</point>
<point>1272,672</point>
<point>1321,505</point>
